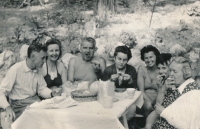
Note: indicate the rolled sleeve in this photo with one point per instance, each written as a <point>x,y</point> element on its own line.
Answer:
<point>6,86</point>
<point>43,90</point>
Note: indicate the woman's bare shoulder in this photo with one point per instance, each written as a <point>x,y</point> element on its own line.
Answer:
<point>60,66</point>
<point>142,68</point>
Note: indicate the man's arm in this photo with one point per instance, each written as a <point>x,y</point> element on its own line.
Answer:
<point>70,73</point>
<point>6,86</point>
<point>43,90</point>
<point>63,73</point>
<point>102,67</point>
<point>106,74</point>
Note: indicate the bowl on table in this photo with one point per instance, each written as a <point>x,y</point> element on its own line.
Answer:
<point>130,91</point>
<point>120,90</point>
<point>84,95</point>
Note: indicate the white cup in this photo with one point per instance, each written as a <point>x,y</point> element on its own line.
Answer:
<point>130,91</point>
<point>108,102</point>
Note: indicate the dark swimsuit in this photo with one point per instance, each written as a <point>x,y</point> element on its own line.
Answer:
<point>56,82</point>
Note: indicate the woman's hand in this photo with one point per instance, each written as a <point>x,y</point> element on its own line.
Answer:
<point>161,80</point>
<point>114,77</point>
<point>159,108</point>
<point>128,78</point>
<point>161,83</point>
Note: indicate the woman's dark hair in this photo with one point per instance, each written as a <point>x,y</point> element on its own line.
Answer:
<point>35,46</point>
<point>197,77</point>
<point>123,49</point>
<point>54,41</point>
<point>147,49</point>
<point>163,58</point>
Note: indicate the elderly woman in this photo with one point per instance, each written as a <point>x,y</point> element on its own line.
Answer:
<point>53,70</point>
<point>176,110</point>
<point>162,63</point>
<point>146,79</point>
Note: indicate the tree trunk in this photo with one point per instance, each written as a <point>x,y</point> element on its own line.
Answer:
<point>68,2</point>
<point>103,6</point>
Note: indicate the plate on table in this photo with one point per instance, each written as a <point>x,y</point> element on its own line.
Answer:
<point>120,90</point>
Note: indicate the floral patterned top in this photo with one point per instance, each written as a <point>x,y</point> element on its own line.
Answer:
<point>170,97</point>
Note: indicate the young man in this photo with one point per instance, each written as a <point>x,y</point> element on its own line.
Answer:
<point>87,67</point>
<point>124,75</point>
<point>23,81</point>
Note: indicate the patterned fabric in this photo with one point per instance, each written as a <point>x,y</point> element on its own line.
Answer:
<point>170,97</point>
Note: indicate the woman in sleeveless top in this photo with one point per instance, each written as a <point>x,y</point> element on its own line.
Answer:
<point>53,70</point>
<point>146,79</point>
<point>162,63</point>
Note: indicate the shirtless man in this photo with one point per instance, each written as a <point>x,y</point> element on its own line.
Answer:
<point>87,67</point>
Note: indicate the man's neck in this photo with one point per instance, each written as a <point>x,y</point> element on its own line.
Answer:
<point>86,60</point>
<point>30,65</point>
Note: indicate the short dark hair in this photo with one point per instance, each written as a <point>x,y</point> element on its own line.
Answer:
<point>35,46</point>
<point>123,49</point>
<point>54,41</point>
<point>197,77</point>
<point>147,49</point>
<point>163,58</point>
<point>90,40</point>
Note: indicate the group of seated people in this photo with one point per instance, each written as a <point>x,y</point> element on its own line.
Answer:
<point>163,80</point>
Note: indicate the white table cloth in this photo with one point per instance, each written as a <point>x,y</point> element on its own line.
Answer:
<point>86,115</point>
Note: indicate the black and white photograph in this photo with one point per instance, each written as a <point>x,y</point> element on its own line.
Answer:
<point>99,64</point>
